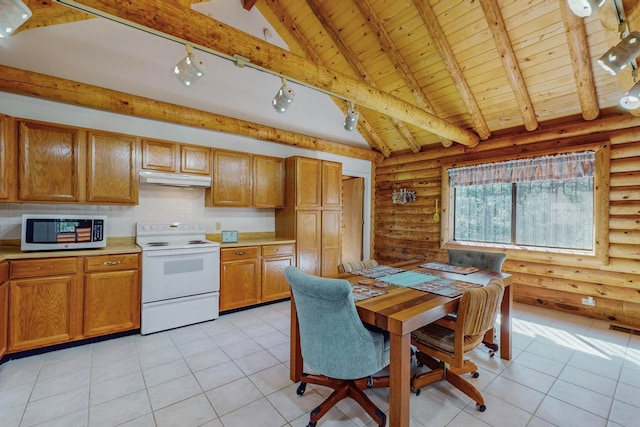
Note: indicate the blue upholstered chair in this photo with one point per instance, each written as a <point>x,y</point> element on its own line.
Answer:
<point>336,346</point>
<point>491,261</point>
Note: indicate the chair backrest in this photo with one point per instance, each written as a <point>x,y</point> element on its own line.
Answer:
<point>478,309</point>
<point>333,340</point>
<point>491,261</point>
<point>348,267</point>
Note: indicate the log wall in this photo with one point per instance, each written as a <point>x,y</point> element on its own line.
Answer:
<point>410,231</point>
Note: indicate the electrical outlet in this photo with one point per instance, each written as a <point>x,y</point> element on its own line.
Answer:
<point>589,301</point>
<point>218,226</point>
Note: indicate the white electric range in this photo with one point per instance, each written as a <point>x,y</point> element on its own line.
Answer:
<point>180,275</point>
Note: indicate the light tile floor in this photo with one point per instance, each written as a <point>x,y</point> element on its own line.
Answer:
<point>566,371</point>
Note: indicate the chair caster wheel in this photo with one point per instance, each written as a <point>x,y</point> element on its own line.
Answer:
<point>300,391</point>
<point>311,425</point>
<point>481,408</point>
<point>416,391</point>
<point>475,374</point>
<point>419,364</point>
<point>492,353</point>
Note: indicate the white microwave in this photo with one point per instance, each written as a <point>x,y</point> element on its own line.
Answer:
<point>46,232</point>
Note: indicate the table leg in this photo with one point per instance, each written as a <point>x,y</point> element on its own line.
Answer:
<point>505,324</point>
<point>295,354</point>
<point>400,382</point>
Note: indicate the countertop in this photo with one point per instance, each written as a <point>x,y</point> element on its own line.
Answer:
<point>257,242</point>
<point>12,251</point>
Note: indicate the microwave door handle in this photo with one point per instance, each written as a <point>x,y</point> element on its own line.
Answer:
<point>180,252</point>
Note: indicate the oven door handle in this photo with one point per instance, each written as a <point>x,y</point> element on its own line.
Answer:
<point>180,252</point>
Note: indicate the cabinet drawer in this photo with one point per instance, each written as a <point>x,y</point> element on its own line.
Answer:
<point>233,254</point>
<point>277,250</point>
<point>111,262</point>
<point>43,267</point>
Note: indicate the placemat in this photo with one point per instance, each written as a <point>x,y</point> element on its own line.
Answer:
<point>361,292</point>
<point>378,271</point>
<point>449,268</point>
<point>408,278</point>
<point>446,287</point>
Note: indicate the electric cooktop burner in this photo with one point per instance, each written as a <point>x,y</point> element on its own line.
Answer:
<point>196,242</point>
<point>158,243</point>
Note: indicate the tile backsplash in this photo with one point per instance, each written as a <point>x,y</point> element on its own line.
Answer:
<point>156,203</point>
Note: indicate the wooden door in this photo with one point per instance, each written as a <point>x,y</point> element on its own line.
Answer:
<point>8,148</point>
<point>331,184</point>
<point>308,174</point>
<point>112,171</point>
<point>352,218</point>
<point>195,160</point>
<point>111,302</point>
<point>331,242</point>
<point>4,306</point>
<point>268,182</point>
<point>239,277</point>
<point>160,155</point>
<point>308,241</point>
<point>49,159</point>
<point>231,179</point>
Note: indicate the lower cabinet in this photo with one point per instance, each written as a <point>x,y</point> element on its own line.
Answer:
<point>111,294</point>
<point>254,274</point>
<point>239,277</point>
<point>4,305</point>
<point>57,300</point>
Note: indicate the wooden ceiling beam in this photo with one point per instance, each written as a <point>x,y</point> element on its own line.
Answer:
<point>389,47</point>
<point>28,83</point>
<point>364,127</point>
<point>453,67</point>
<point>352,58</point>
<point>45,13</point>
<point>498,29</point>
<point>169,19</point>
<point>581,61</point>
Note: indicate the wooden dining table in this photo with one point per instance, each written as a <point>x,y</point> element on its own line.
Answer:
<point>400,311</point>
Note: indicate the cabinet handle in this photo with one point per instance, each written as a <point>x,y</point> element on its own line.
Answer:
<point>112,262</point>
<point>240,253</point>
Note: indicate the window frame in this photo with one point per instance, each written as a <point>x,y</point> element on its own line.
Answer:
<point>597,256</point>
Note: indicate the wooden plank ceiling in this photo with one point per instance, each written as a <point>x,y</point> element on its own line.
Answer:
<point>484,67</point>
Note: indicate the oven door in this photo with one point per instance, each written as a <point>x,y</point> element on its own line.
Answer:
<point>177,273</point>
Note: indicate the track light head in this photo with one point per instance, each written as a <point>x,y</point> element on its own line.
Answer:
<point>189,69</point>
<point>351,118</point>
<point>283,98</point>
<point>618,57</point>
<point>631,99</point>
<point>584,8</point>
<point>13,13</point>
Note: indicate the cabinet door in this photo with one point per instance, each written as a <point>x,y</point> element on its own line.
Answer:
<point>239,278</point>
<point>231,179</point>
<point>331,184</point>
<point>112,172</point>
<point>268,182</point>
<point>160,155</point>
<point>4,306</point>
<point>43,311</point>
<point>331,242</point>
<point>49,159</point>
<point>196,160</point>
<point>8,147</point>
<point>308,175</point>
<point>111,302</point>
<point>274,284</point>
<point>308,241</point>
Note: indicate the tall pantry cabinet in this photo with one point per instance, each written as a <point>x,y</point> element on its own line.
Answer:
<point>313,213</point>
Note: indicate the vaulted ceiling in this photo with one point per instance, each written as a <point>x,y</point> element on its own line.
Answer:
<point>421,72</point>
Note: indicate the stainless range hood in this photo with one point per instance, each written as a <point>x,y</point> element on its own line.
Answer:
<point>174,179</point>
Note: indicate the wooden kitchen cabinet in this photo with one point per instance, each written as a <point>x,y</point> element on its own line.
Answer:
<point>112,171</point>
<point>268,182</point>
<point>331,184</point>
<point>45,302</point>
<point>8,149</point>
<point>167,156</point>
<point>239,277</point>
<point>232,180</point>
<point>49,159</point>
<point>331,243</point>
<point>111,294</point>
<point>275,258</point>
<point>4,306</point>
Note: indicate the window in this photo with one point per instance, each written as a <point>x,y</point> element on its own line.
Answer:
<point>545,202</point>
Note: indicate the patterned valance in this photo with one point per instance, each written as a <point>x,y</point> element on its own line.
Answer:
<point>561,166</point>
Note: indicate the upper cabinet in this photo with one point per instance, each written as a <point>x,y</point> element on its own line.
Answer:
<point>307,181</point>
<point>49,159</point>
<point>7,159</point>
<point>246,180</point>
<point>167,156</point>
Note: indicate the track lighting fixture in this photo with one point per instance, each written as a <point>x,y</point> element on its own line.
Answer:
<point>283,98</point>
<point>584,8</point>
<point>13,13</point>
<point>631,99</point>
<point>618,57</point>
<point>351,119</point>
<point>189,69</point>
